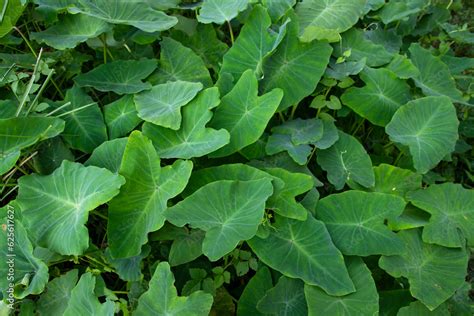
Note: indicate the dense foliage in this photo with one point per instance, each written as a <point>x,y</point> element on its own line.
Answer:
<point>271,157</point>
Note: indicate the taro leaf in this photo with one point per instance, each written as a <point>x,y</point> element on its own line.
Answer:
<point>434,272</point>
<point>412,217</point>
<point>70,31</point>
<point>400,10</point>
<point>277,9</point>
<point>57,295</point>
<point>403,67</point>
<point>186,247</point>
<point>220,11</point>
<point>128,269</point>
<point>418,309</point>
<point>83,300</point>
<point>347,160</point>
<point>162,297</point>
<point>459,33</point>
<point>30,273</point>
<point>253,292</point>
<point>85,128</point>
<point>128,12</point>
<point>355,221</point>
<point>380,98</point>
<point>330,132</point>
<point>139,208</point>
<point>13,11</point>
<point>162,104</point>
<point>67,196</point>
<point>295,67</point>
<point>286,298</point>
<point>108,155</point>
<point>229,212</point>
<point>56,5</point>
<point>452,214</point>
<point>244,114</point>
<point>325,19</point>
<point>253,45</point>
<point>121,116</point>
<point>283,199</point>
<point>21,132</point>
<point>178,62</point>
<point>278,143</point>
<point>193,139</point>
<point>121,76</point>
<point>429,127</point>
<point>51,154</point>
<point>340,71</point>
<point>302,131</point>
<point>361,47</point>
<point>434,78</point>
<point>304,250</point>
<point>364,301</point>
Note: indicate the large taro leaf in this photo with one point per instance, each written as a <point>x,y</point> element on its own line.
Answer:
<point>178,62</point>
<point>120,76</point>
<point>121,116</point>
<point>129,269</point>
<point>434,272</point>
<point>380,98</point>
<point>330,132</point>
<point>30,274</point>
<point>417,308</point>
<point>85,128</point>
<point>396,10</point>
<point>193,139</point>
<point>403,67</point>
<point>364,301</point>
<point>57,295</point>
<point>285,299</point>
<point>139,208</point>
<point>21,132</point>
<point>70,31</point>
<point>452,214</point>
<point>220,11</point>
<point>244,114</point>
<point>295,67</point>
<point>67,196</point>
<point>434,77</point>
<point>253,292</point>
<point>429,127</point>
<point>302,131</point>
<point>277,9</point>
<point>162,297</point>
<point>346,160</point>
<point>108,155</point>
<point>83,300</point>
<point>355,221</point>
<point>325,19</point>
<point>129,12</point>
<point>304,250</point>
<point>278,143</point>
<point>186,247</point>
<point>253,45</point>
<point>229,212</point>
<point>162,104</point>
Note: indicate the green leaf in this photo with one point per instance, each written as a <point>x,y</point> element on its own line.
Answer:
<point>380,98</point>
<point>278,143</point>
<point>434,272</point>
<point>120,76</point>
<point>244,114</point>
<point>277,9</point>
<point>304,250</point>
<point>429,127</point>
<point>286,298</point>
<point>418,309</point>
<point>162,104</point>
<point>121,116</point>
<point>400,10</point>
<point>21,132</point>
<point>364,301</point>
<point>108,155</point>
<point>139,208</point>
<point>452,214</point>
<point>186,247</point>
<point>13,11</point>
<point>83,300</point>
<point>434,77</point>
<point>301,131</point>
<point>193,139</point>
<point>51,154</point>
<point>346,160</point>
<point>178,62</point>
<point>58,293</point>
<point>253,292</point>
<point>70,31</point>
<point>220,11</point>
<point>127,12</point>
<point>355,221</point>
<point>330,132</point>
<point>85,128</point>
<point>403,67</point>
<point>67,196</point>
<point>162,297</point>
<point>21,270</point>
<point>129,269</point>
<point>318,19</point>
<point>229,211</point>
<point>295,67</point>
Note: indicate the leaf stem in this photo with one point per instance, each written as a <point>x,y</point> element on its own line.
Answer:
<point>231,32</point>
